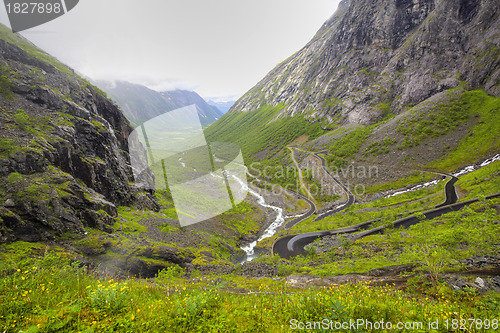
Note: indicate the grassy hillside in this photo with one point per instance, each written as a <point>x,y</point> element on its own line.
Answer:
<point>44,288</point>
<point>482,139</point>
<point>469,119</point>
<point>143,272</point>
<point>257,131</point>
<point>456,235</point>
<point>45,291</point>
<point>7,35</point>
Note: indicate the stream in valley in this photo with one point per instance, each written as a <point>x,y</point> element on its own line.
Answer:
<point>280,220</point>
<point>270,231</point>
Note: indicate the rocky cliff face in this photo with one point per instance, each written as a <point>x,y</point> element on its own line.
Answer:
<point>64,160</point>
<point>373,56</point>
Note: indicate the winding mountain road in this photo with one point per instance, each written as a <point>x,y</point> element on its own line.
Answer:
<point>300,218</point>
<point>293,245</point>
<point>430,214</point>
<point>450,192</point>
<point>350,196</point>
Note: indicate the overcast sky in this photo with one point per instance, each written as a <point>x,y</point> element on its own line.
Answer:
<point>216,47</point>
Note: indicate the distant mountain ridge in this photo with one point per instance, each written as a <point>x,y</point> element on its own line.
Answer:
<point>224,106</point>
<point>140,104</point>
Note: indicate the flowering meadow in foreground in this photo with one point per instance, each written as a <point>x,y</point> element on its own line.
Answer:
<point>51,294</point>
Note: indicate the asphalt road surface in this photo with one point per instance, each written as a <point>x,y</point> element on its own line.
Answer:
<point>350,196</point>
<point>293,245</point>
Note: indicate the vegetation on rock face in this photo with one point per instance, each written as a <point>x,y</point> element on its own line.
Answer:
<point>349,73</point>
<point>377,148</point>
<point>258,130</point>
<point>7,35</point>
<point>66,178</point>
<point>482,139</point>
<point>346,146</point>
<point>5,87</point>
<point>63,148</point>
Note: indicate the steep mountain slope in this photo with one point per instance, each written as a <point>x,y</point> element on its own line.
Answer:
<point>140,103</point>
<point>371,55</point>
<point>66,178</point>
<point>64,163</point>
<point>402,83</point>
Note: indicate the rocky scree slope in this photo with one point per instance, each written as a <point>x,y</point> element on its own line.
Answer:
<point>64,163</point>
<point>376,56</point>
